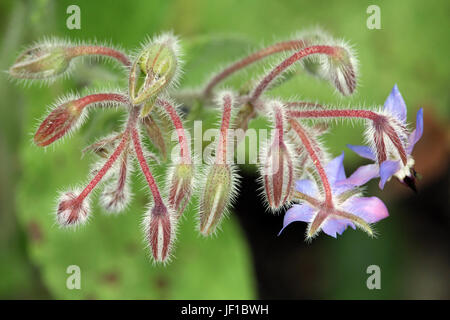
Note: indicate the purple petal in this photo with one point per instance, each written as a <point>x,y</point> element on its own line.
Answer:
<point>371,209</point>
<point>336,225</point>
<point>362,175</point>
<point>363,151</point>
<point>307,187</point>
<point>417,133</point>
<point>298,212</point>
<point>395,105</point>
<point>387,169</point>
<point>335,169</point>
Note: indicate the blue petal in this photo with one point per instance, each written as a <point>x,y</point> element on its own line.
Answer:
<point>362,175</point>
<point>363,151</point>
<point>395,105</point>
<point>417,133</point>
<point>387,169</point>
<point>307,187</point>
<point>298,212</point>
<point>335,169</point>
<point>336,225</point>
<point>371,209</point>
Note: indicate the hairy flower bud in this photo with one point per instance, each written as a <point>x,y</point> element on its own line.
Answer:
<point>181,186</point>
<point>154,69</point>
<point>341,70</point>
<point>41,62</point>
<point>58,123</point>
<point>218,192</point>
<point>160,232</point>
<point>155,135</point>
<point>72,211</point>
<point>277,167</point>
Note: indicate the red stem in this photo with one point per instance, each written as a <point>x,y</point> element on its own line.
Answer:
<point>145,169</point>
<point>100,97</point>
<point>98,177</point>
<point>123,142</point>
<point>365,114</point>
<point>258,55</point>
<point>329,50</point>
<point>380,123</point>
<point>222,145</point>
<point>99,50</point>
<point>178,124</point>
<point>309,148</point>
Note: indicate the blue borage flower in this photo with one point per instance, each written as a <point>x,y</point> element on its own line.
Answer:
<point>393,166</point>
<point>349,207</point>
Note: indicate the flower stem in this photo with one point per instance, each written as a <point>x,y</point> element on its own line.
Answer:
<point>329,50</point>
<point>258,55</point>
<point>100,97</point>
<point>185,154</point>
<point>78,51</point>
<point>315,159</point>
<point>145,169</point>
<point>223,139</point>
<point>380,122</point>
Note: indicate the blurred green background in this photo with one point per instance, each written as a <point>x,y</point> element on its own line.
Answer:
<point>412,249</point>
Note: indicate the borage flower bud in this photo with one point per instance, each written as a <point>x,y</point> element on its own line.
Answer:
<point>341,68</point>
<point>277,167</point>
<point>72,210</point>
<point>218,192</point>
<point>181,179</point>
<point>116,196</point>
<point>63,119</point>
<point>40,62</point>
<point>160,232</point>
<point>155,135</point>
<point>154,68</point>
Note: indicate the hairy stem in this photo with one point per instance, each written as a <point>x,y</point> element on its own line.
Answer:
<point>117,152</point>
<point>315,159</point>
<point>221,153</point>
<point>78,51</point>
<point>258,55</point>
<point>264,83</point>
<point>145,169</point>
<point>100,97</point>
<point>185,154</point>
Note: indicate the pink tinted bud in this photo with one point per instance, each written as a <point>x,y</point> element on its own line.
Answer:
<point>277,167</point>
<point>160,232</point>
<point>71,210</point>
<point>181,186</point>
<point>58,123</point>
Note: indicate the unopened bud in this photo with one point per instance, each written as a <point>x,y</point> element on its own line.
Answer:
<point>58,123</point>
<point>341,69</point>
<point>155,135</point>
<point>160,232</point>
<point>277,168</point>
<point>116,196</point>
<point>278,175</point>
<point>71,210</point>
<point>181,187</point>
<point>40,62</point>
<point>153,70</point>
<point>218,191</point>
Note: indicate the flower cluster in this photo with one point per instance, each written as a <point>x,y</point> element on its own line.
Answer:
<point>296,172</point>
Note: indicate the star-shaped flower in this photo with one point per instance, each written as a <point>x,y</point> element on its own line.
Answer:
<point>393,165</point>
<point>348,207</point>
